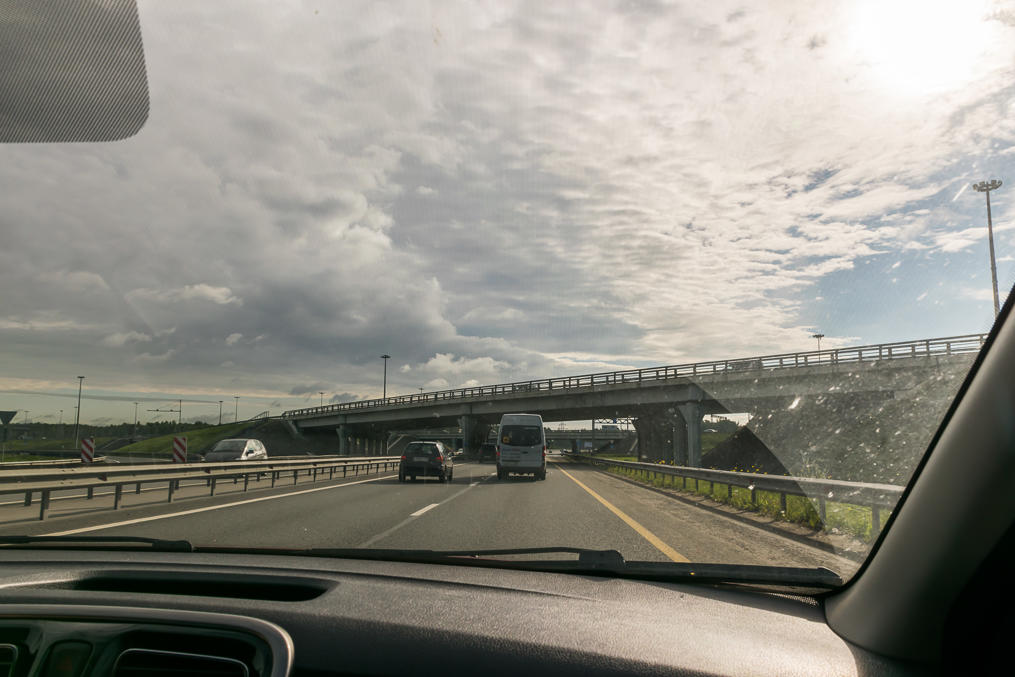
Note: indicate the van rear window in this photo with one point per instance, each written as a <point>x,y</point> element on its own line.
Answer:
<point>521,435</point>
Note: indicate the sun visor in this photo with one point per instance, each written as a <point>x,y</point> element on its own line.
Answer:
<point>73,71</point>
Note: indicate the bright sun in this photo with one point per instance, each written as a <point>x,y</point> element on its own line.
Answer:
<point>920,46</point>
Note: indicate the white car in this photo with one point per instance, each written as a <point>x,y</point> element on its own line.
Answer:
<point>237,450</point>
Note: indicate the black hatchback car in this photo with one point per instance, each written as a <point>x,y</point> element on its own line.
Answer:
<point>426,459</point>
<point>487,452</point>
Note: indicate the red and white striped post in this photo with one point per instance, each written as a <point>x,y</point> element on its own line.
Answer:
<point>180,449</point>
<point>87,449</point>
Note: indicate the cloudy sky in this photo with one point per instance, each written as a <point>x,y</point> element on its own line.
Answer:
<point>500,191</point>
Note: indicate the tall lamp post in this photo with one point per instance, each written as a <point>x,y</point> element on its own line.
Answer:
<point>135,418</point>
<point>77,412</point>
<point>985,187</point>
<point>818,337</point>
<point>321,393</point>
<point>385,357</point>
<point>236,414</point>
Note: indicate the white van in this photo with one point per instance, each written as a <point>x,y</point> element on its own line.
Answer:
<point>521,445</point>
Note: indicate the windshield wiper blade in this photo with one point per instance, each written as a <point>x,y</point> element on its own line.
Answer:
<point>95,542</point>
<point>591,561</point>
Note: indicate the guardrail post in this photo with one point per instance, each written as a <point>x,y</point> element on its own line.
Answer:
<point>782,503</point>
<point>28,498</point>
<point>331,472</point>
<point>345,469</point>
<point>295,474</point>
<point>274,477</point>
<point>137,489</point>
<point>246,480</point>
<point>729,492</point>
<point>91,492</point>
<point>43,504</point>
<point>754,496</point>
<point>211,486</point>
<point>172,488</point>
<point>117,495</point>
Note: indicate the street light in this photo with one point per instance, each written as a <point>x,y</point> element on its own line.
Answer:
<point>321,393</point>
<point>385,357</point>
<point>985,187</point>
<point>220,412</point>
<point>236,414</point>
<point>77,412</point>
<point>135,418</point>
<point>818,337</point>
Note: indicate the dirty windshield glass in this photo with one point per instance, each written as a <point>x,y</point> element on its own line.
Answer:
<point>738,257</point>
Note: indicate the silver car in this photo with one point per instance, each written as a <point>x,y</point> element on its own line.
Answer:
<point>237,450</point>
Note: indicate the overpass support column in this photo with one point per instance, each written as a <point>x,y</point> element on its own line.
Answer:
<point>678,439</point>
<point>468,432</point>
<point>692,413</point>
<point>343,440</point>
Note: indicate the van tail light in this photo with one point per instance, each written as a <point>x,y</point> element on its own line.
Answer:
<point>498,451</point>
<point>403,457</point>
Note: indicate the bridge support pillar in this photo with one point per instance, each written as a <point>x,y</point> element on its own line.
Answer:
<point>692,414</point>
<point>343,440</point>
<point>468,424</point>
<point>655,437</point>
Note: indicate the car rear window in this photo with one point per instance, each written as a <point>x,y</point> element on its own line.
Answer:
<point>521,435</point>
<point>421,449</point>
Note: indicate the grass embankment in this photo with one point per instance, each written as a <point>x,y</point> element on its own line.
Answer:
<point>197,441</point>
<point>851,519</point>
<point>708,442</point>
<point>30,445</point>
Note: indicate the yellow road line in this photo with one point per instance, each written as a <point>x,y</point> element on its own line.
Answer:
<point>642,531</point>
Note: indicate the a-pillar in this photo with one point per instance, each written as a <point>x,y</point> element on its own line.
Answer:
<point>692,414</point>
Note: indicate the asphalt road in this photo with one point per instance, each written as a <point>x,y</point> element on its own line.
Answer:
<point>575,506</point>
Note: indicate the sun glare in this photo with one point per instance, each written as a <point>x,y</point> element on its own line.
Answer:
<point>920,46</point>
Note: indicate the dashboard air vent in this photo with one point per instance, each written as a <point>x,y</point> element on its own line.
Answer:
<point>8,658</point>
<point>157,663</point>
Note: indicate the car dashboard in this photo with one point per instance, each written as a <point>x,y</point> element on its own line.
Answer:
<point>131,613</point>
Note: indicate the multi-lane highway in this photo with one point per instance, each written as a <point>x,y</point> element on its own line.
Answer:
<point>576,506</point>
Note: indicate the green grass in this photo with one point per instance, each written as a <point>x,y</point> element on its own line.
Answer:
<point>197,441</point>
<point>29,445</point>
<point>851,519</point>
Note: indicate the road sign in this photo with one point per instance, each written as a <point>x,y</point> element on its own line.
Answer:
<point>180,449</point>
<point>87,450</point>
<point>7,416</point>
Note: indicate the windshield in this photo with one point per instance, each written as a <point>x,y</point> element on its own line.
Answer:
<point>230,445</point>
<point>739,259</point>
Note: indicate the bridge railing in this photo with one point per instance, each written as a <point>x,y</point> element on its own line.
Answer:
<point>950,345</point>
<point>875,496</point>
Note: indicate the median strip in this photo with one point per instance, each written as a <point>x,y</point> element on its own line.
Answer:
<point>642,531</point>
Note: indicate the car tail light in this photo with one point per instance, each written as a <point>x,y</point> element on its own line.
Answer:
<point>403,457</point>
<point>439,457</point>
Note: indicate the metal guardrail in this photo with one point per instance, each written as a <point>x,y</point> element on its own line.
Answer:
<point>951,345</point>
<point>877,497</point>
<point>44,482</point>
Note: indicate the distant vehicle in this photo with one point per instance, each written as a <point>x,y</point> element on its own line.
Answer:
<point>709,430</point>
<point>521,446</point>
<point>611,428</point>
<point>237,450</point>
<point>487,451</point>
<point>426,459</point>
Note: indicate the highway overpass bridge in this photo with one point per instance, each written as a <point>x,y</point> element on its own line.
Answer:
<point>667,403</point>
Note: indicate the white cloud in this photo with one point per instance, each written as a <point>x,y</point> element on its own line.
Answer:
<point>233,339</point>
<point>199,292</point>
<point>120,339</point>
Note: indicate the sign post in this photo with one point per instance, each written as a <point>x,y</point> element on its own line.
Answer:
<point>87,449</point>
<point>180,449</point>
